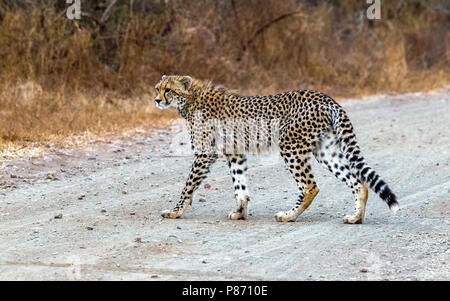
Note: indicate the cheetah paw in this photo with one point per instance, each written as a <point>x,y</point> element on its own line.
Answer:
<point>170,214</point>
<point>284,216</point>
<point>352,219</point>
<point>236,215</point>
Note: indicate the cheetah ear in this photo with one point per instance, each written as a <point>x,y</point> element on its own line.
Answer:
<point>164,76</point>
<point>186,81</point>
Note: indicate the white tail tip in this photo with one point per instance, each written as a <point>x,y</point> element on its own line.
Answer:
<point>394,208</point>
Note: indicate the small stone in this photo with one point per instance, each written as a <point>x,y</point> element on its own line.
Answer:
<point>207,186</point>
<point>58,216</point>
<point>363,270</point>
<point>81,197</point>
<point>138,240</point>
<point>178,227</point>
<point>154,276</point>
<point>124,192</point>
<point>103,211</point>
<point>51,176</point>
<point>201,200</point>
<point>204,261</point>
<point>90,228</point>
<point>132,213</point>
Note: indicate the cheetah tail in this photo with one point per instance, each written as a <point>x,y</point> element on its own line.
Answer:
<point>350,148</point>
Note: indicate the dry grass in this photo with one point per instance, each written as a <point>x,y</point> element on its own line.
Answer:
<point>30,113</point>
<point>60,77</point>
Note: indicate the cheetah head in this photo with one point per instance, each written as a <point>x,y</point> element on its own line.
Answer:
<point>172,91</point>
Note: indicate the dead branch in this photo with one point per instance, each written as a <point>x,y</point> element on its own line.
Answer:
<point>107,11</point>
<point>267,25</point>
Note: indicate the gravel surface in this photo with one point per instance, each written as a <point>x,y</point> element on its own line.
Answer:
<point>94,212</point>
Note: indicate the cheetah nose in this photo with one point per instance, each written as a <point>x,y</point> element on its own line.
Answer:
<point>158,100</point>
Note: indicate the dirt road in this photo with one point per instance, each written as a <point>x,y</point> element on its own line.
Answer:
<point>94,213</point>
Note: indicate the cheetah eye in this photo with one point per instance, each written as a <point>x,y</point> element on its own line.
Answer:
<point>166,90</point>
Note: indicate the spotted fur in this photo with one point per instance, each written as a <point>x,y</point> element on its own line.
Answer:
<point>296,123</point>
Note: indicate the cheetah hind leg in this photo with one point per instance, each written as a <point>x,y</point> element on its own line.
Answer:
<point>360,207</point>
<point>301,170</point>
<point>291,215</point>
<point>329,156</point>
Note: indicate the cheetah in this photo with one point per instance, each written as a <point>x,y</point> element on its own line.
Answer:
<point>296,124</point>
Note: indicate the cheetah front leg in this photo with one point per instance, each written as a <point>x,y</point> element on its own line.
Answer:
<point>238,170</point>
<point>199,170</point>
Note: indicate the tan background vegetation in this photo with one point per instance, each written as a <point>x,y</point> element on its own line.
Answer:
<point>60,77</point>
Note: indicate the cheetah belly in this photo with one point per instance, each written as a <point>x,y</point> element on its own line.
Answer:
<point>247,137</point>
